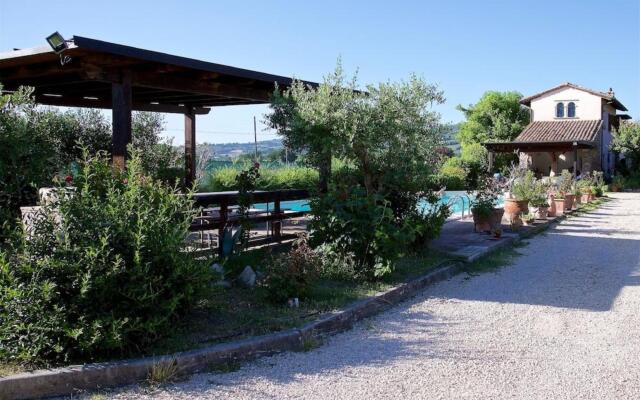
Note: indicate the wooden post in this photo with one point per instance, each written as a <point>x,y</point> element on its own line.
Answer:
<point>575,160</point>
<point>491,157</point>
<point>121,117</point>
<point>189,147</point>
<point>224,209</point>
<point>277,222</point>
<point>554,164</point>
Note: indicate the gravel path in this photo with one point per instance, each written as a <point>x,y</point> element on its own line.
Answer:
<point>562,322</point>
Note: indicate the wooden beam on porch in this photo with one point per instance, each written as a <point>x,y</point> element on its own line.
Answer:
<point>66,101</point>
<point>201,84</point>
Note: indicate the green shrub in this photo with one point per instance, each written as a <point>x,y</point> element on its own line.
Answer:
<point>219,180</point>
<point>356,234</point>
<point>291,274</point>
<point>425,223</point>
<point>453,174</point>
<point>475,153</point>
<point>270,179</point>
<point>102,273</point>
<point>27,154</point>
<point>632,181</point>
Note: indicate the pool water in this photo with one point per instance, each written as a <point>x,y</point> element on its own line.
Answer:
<point>293,205</point>
<point>460,203</point>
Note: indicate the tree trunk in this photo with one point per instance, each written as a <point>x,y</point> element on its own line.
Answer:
<point>324,172</point>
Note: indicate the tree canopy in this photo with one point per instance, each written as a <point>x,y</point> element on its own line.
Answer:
<point>626,140</point>
<point>389,129</point>
<point>496,116</point>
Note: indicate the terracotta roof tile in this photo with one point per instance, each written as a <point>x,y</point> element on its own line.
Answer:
<point>561,131</point>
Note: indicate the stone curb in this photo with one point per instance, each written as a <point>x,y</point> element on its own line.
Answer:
<point>74,379</point>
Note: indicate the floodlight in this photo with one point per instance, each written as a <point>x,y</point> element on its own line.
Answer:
<point>57,42</point>
<point>59,45</point>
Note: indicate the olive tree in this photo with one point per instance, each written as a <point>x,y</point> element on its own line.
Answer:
<point>387,132</point>
<point>386,139</point>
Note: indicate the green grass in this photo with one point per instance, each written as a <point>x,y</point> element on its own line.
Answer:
<point>586,207</point>
<point>235,313</point>
<point>225,368</point>
<point>10,369</point>
<point>495,260</point>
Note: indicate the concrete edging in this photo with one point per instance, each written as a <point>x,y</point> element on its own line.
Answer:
<point>74,379</point>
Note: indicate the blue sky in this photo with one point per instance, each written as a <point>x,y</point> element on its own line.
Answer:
<point>466,47</point>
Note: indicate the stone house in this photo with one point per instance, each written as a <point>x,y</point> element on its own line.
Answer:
<point>571,128</point>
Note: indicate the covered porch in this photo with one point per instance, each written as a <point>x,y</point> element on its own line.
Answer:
<point>92,73</point>
<point>549,158</point>
<point>549,147</point>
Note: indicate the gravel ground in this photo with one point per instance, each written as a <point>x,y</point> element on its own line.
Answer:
<point>562,322</point>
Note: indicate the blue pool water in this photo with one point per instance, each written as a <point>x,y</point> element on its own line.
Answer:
<point>460,204</point>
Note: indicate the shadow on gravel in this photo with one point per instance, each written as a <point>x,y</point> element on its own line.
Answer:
<point>570,268</point>
<point>416,333</point>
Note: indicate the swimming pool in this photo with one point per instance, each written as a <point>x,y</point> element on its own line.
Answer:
<point>459,203</point>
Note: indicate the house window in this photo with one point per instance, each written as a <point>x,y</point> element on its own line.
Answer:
<point>571,110</point>
<point>560,110</point>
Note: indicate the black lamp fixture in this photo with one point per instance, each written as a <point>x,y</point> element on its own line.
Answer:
<point>59,45</point>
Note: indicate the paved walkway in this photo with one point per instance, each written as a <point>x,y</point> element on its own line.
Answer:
<point>562,322</point>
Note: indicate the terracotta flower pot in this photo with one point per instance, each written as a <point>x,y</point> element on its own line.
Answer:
<point>586,197</point>
<point>496,217</point>
<point>542,212</point>
<point>481,223</point>
<point>578,201</point>
<point>559,203</point>
<point>514,208</point>
<point>569,200</point>
<point>552,206</point>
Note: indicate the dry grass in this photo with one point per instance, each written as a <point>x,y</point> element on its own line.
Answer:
<point>163,372</point>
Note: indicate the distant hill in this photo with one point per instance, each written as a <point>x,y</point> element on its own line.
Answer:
<point>232,150</point>
<point>450,138</point>
<point>228,151</point>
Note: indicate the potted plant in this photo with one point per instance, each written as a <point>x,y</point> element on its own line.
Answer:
<point>485,215</point>
<point>497,232</point>
<point>586,189</point>
<point>617,183</point>
<point>528,218</point>
<point>521,190</point>
<point>565,186</point>
<point>598,183</point>
<point>577,193</point>
<point>539,203</point>
<point>541,207</point>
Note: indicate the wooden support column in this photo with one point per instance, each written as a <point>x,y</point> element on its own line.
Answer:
<point>575,160</point>
<point>554,164</point>
<point>491,157</point>
<point>277,223</point>
<point>189,147</point>
<point>224,212</point>
<point>121,119</point>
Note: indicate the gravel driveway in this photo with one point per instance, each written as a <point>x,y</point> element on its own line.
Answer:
<point>562,322</point>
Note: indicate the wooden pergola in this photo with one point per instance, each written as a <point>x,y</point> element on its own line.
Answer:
<point>100,74</point>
